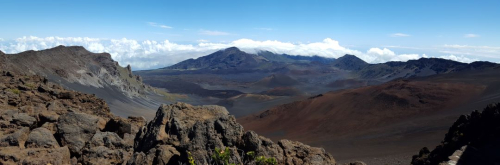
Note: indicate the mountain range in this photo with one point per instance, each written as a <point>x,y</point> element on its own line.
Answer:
<point>378,113</point>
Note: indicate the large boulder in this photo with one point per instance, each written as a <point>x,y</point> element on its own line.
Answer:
<point>298,153</point>
<point>75,129</point>
<point>23,119</point>
<point>195,129</point>
<point>41,138</point>
<point>200,130</point>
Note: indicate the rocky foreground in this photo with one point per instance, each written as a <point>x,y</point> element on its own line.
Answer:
<point>473,139</point>
<point>42,123</point>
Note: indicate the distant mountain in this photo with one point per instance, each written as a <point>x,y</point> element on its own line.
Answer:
<point>418,68</point>
<point>230,58</point>
<point>77,69</point>
<point>349,62</point>
<point>285,58</point>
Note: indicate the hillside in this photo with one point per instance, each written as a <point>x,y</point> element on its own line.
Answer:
<point>230,58</point>
<point>77,69</point>
<point>349,62</point>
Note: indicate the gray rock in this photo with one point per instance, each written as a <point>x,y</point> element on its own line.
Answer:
<point>197,129</point>
<point>298,153</point>
<point>104,155</point>
<point>48,116</point>
<point>17,138</point>
<point>162,154</point>
<point>110,140</point>
<point>41,138</point>
<point>23,119</point>
<point>75,129</point>
<point>7,114</point>
<point>106,148</point>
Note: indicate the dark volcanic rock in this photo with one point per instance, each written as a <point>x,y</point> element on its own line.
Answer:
<point>473,139</point>
<point>18,138</point>
<point>107,148</point>
<point>75,129</point>
<point>41,138</point>
<point>23,119</point>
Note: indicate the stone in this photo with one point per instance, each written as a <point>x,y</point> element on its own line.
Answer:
<point>18,138</point>
<point>75,129</point>
<point>298,153</point>
<point>23,119</point>
<point>41,138</point>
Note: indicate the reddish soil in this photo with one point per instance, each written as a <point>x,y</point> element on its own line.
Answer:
<point>364,123</point>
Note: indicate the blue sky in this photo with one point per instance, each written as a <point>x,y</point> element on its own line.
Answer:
<point>434,28</point>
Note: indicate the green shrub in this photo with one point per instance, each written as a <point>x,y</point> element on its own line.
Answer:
<point>190,159</point>
<point>15,90</point>
<point>222,156</point>
<point>30,85</point>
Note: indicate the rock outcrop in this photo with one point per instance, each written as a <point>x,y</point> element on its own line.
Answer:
<point>43,123</point>
<point>473,139</point>
<point>199,130</point>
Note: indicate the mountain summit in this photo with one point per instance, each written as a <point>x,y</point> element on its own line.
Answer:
<point>230,58</point>
<point>349,62</point>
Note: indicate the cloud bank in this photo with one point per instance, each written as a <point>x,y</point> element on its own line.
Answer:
<point>150,54</point>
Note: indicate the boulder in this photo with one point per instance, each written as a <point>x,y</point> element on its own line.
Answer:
<point>298,153</point>
<point>161,154</point>
<point>106,148</point>
<point>75,129</point>
<point>41,138</point>
<point>7,115</point>
<point>23,119</point>
<point>18,138</point>
<point>197,129</point>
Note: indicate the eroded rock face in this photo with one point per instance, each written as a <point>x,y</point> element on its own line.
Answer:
<point>200,129</point>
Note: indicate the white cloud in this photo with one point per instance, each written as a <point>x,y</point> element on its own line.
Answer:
<point>154,24</point>
<point>150,54</point>
<point>479,51</point>
<point>267,29</point>
<point>459,58</point>
<point>400,35</point>
<point>471,35</point>
<point>202,40</point>
<point>213,33</point>
<point>384,55</point>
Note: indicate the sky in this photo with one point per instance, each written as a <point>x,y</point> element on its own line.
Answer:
<point>154,34</point>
